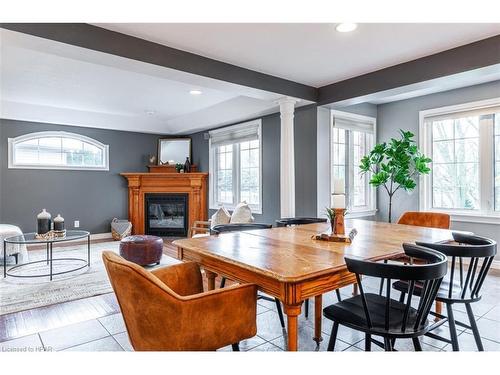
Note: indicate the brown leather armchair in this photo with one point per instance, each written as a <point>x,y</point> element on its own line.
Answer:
<point>166,309</point>
<point>425,219</point>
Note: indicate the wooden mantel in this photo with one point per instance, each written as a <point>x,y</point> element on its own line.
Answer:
<point>139,184</point>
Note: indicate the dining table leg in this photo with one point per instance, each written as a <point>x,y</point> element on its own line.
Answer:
<point>318,309</point>
<point>292,312</point>
<point>210,279</point>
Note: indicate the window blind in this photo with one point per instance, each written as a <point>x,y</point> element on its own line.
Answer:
<point>248,131</point>
<point>461,114</point>
<point>359,125</point>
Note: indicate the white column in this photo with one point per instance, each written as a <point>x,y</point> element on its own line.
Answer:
<point>287,160</point>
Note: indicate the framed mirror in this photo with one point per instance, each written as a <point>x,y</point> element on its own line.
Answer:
<point>174,150</point>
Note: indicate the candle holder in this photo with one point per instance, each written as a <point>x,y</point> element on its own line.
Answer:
<point>337,232</point>
<point>338,221</point>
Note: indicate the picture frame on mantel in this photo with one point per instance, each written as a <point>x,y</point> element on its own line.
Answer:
<point>176,149</point>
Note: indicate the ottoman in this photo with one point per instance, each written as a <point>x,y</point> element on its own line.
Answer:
<point>142,249</point>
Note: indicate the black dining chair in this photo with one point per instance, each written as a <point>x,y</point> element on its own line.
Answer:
<point>378,315</point>
<point>479,253</point>
<point>288,222</point>
<point>224,228</point>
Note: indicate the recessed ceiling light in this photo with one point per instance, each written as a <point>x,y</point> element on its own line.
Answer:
<point>346,27</point>
<point>195,92</point>
<point>150,112</point>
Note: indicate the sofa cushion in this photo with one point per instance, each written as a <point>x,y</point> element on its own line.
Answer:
<point>242,214</point>
<point>221,216</point>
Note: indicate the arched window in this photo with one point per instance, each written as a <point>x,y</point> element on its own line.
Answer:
<point>57,150</point>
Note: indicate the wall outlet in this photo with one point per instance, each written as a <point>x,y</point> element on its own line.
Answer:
<point>77,224</point>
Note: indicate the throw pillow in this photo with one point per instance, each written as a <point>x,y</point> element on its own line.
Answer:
<point>242,214</point>
<point>221,216</point>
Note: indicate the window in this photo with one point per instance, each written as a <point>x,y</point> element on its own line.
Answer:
<point>352,137</point>
<point>57,150</point>
<point>464,144</point>
<point>235,166</point>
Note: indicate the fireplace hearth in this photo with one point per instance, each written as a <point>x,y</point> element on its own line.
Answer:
<point>166,214</point>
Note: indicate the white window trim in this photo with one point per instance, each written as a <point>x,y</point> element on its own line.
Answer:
<point>425,188</point>
<point>13,141</point>
<point>214,205</point>
<point>371,207</point>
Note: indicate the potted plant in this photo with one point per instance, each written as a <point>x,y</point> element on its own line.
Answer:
<point>395,165</point>
<point>179,167</point>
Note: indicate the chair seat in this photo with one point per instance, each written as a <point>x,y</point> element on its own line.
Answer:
<point>442,294</point>
<point>351,312</point>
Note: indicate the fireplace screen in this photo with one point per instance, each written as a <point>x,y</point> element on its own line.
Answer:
<point>167,214</point>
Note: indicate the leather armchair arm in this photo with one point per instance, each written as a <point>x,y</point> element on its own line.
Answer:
<point>184,278</point>
<point>223,316</point>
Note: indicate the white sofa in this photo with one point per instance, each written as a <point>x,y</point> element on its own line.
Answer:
<point>15,252</point>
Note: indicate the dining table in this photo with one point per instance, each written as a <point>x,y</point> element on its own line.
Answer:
<point>290,264</point>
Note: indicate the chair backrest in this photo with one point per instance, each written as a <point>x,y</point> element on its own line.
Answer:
<point>426,219</point>
<point>299,221</point>
<point>479,251</point>
<point>222,228</point>
<point>430,274</point>
<point>149,307</point>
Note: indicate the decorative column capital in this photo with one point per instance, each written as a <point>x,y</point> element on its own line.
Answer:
<point>287,105</point>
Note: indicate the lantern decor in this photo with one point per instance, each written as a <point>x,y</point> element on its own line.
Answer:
<point>47,228</point>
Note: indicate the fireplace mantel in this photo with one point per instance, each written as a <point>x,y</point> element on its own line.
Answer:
<point>139,184</point>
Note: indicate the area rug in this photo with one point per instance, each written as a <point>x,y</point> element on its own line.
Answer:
<point>18,294</point>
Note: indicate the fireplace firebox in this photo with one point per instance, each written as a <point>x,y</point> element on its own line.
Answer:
<point>166,214</point>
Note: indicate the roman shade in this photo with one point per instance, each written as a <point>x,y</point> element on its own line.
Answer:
<point>248,131</point>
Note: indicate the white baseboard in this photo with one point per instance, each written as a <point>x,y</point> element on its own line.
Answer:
<point>100,236</point>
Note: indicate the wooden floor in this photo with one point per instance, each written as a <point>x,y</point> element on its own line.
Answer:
<point>27,322</point>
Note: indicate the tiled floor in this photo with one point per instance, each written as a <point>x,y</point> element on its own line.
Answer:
<point>108,333</point>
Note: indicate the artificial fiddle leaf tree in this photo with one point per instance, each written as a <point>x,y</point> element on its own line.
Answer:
<point>395,165</point>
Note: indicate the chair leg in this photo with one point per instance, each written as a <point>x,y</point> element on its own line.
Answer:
<point>416,344</point>
<point>236,347</point>
<point>453,328</point>
<point>402,297</point>
<point>222,282</point>
<point>16,257</point>
<point>306,303</point>
<point>473,325</point>
<point>368,342</point>
<point>337,292</point>
<point>333,337</point>
<point>387,344</point>
<point>280,313</point>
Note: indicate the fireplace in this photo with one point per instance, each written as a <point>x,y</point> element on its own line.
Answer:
<point>166,214</point>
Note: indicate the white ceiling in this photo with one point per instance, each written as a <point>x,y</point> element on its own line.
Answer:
<point>47,81</point>
<point>313,54</point>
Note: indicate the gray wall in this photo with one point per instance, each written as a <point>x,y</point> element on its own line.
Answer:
<point>93,197</point>
<point>305,157</point>
<point>404,114</point>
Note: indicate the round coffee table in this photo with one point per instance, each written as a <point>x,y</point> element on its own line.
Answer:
<point>30,238</point>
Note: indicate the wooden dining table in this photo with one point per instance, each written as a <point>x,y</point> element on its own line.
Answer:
<point>289,264</point>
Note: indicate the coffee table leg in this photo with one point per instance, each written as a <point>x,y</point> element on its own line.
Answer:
<point>47,253</point>
<point>50,261</point>
<point>88,250</point>
<point>4,259</point>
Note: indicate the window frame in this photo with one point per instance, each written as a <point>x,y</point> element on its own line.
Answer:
<point>370,209</point>
<point>57,134</point>
<point>486,165</point>
<point>236,175</point>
